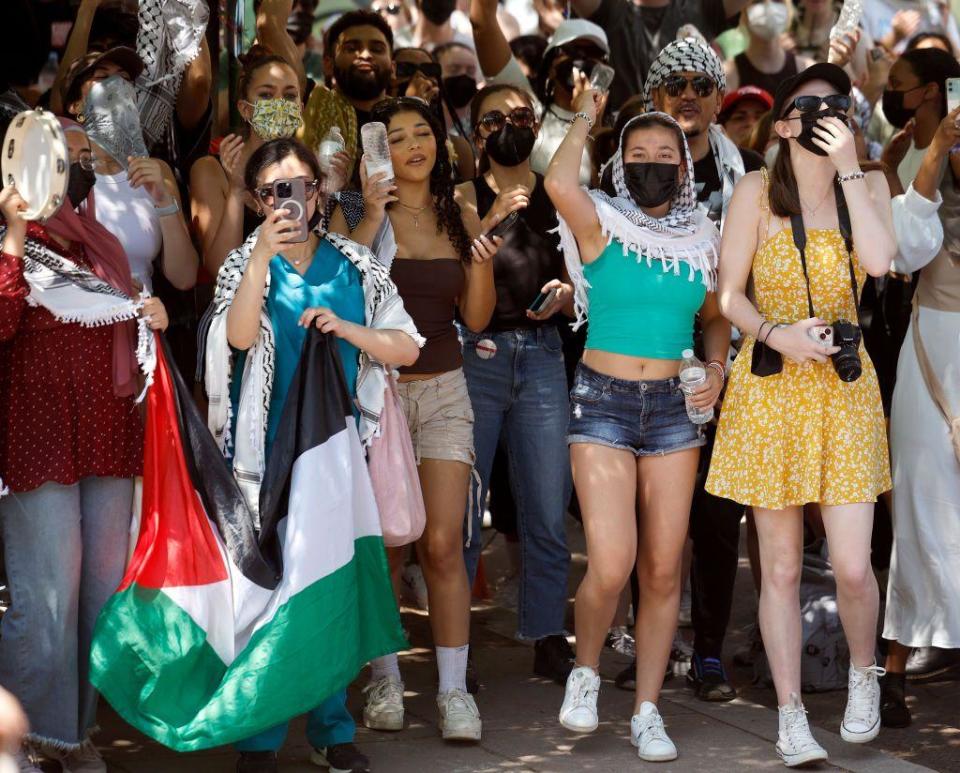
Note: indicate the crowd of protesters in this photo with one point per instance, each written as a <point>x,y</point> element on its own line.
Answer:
<point>750,186</point>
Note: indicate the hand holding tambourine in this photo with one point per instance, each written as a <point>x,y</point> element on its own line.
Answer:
<point>36,162</point>
<point>12,207</point>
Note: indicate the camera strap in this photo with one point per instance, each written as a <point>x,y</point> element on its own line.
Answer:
<point>800,240</point>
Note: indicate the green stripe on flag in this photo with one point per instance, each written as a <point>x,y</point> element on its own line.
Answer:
<point>152,662</point>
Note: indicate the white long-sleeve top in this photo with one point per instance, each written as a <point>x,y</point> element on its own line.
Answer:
<point>919,231</point>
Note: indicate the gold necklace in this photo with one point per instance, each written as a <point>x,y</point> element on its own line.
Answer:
<point>415,212</point>
<point>814,210</point>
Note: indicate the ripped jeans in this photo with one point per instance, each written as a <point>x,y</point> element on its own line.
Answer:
<point>65,549</point>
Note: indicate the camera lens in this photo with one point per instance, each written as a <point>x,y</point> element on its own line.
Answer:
<point>846,362</point>
<point>284,189</point>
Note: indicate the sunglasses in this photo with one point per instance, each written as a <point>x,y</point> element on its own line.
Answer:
<point>811,104</point>
<point>581,51</point>
<point>407,70</point>
<point>495,120</point>
<point>265,193</point>
<point>675,85</point>
<point>392,8</point>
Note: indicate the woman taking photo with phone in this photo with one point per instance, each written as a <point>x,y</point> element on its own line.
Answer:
<point>285,277</point>
<point>643,265</point>
<point>802,419</point>
<point>519,394</point>
<point>442,267</point>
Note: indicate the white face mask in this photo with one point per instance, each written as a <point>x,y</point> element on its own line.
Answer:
<point>767,20</point>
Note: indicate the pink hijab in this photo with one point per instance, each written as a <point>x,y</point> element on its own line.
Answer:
<point>109,262</point>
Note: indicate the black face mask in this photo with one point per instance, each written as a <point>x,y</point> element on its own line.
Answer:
<point>437,11</point>
<point>651,183</point>
<point>893,108</point>
<point>460,89</point>
<point>510,146</point>
<point>807,123</point>
<point>79,184</point>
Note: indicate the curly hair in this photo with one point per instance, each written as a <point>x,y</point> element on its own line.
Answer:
<point>449,216</point>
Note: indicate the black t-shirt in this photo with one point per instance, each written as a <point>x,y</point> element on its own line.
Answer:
<point>528,258</point>
<point>636,37</point>
<point>707,179</point>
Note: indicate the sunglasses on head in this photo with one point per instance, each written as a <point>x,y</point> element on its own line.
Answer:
<point>675,85</point>
<point>407,70</point>
<point>811,104</point>
<point>265,193</point>
<point>521,117</point>
<point>582,51</point>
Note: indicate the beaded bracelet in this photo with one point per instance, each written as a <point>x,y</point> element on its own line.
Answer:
<point>585,117</point>
<point>858,175</point>
<point>718,366</point>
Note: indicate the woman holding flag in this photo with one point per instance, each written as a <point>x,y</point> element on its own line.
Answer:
<point>269,291</point>
<point>70,445</point>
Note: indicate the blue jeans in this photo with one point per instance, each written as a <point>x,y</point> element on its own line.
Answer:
<point>65,549</point>
<point>521,394</point>
<point>328,724</point>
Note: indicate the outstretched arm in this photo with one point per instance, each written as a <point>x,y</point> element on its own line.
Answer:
<point>77,45</point>
<point>272,33</point>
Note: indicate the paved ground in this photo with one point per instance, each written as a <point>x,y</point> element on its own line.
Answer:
<point>521,732</point>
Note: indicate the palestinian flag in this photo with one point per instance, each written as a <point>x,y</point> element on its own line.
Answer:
<point>215,635</point>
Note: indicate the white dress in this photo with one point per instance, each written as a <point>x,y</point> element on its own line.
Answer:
<point>923,591</point>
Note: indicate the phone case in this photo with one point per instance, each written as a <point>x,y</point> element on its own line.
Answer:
<point>295,202</point>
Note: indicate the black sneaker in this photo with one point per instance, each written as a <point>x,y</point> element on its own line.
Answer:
<point>553,658</point>
<point>927,663</point>
<point>627,678</point>
<point>257,762</point>
<point>341,758</point>
<point>709,681</point>
<point>893,702</point>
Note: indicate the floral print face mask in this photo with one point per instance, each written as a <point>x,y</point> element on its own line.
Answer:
<point>274,119</point>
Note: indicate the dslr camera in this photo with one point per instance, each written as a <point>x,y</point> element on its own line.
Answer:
<point>846,362</point>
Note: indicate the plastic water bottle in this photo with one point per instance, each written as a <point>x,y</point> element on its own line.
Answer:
<point>850,15</point>
<point>376,150</point>
<point>331,144</point>
<point>693,375</point>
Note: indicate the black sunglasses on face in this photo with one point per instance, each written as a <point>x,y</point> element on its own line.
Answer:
<point>407,70</point>
<point>521,117</point>
<point>811,104</point>
<point>675,85</point>
<point>265,192</point>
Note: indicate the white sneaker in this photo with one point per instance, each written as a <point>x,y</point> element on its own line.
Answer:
<point>383,709</point>
<point>579,710</point>
<point>796,744</point>
<point>619,639</point>
<point>86,759</point>
<point>459,716</point>
<point>649,736</point>
<point>861,720</point>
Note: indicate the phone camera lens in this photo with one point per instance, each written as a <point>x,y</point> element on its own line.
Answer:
<point>284,190</point>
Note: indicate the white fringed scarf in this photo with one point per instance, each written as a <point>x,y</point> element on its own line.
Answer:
<point>684,235</point>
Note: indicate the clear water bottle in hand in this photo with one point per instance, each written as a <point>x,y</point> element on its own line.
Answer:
<point>376,150</point>
<point>693,375</point>
<point>849,20</point>
<point>331,144</point>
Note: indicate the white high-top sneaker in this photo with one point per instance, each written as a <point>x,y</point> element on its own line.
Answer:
<point>579,710</point>
<point>383,709</point>
<point>861,720</point>
<point>796,744</point>
<point>649,736</point>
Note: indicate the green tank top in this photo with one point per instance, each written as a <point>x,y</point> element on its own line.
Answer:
<point>641,310</point>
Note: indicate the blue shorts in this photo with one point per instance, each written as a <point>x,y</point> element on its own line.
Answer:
<point>647,418</point>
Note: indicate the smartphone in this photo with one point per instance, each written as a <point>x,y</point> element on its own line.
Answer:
<point>543,300</point>
<point>501,228</point>
<point>953,94</point>
<point>601,77</point>
<point>291,196</point>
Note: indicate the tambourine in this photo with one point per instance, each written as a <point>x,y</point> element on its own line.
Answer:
<point>35,159</point>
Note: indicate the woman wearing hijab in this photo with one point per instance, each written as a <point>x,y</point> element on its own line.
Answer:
<point>70,445</point>
<point>643,265</point>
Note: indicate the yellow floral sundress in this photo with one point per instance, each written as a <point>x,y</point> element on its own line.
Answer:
<point>802,435</point>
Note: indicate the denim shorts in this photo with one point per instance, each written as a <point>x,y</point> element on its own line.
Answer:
<point>647,418</point>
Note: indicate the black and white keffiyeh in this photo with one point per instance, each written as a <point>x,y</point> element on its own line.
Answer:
<point>168,39</point>
<point>685,55</point>
<point>684,235</point>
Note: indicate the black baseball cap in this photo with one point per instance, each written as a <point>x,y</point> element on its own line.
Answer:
<point>822,71</point>
<point>123,56</point>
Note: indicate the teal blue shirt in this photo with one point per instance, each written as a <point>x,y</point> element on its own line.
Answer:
<point>641,310</point>
<point>331,281</point>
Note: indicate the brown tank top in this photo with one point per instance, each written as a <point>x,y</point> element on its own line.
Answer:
<point>939,285</point>
<point>429,290</point>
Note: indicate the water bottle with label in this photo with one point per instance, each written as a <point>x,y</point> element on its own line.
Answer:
<point>331,144</point>
<point>693,375</point>
<point>376,150</point>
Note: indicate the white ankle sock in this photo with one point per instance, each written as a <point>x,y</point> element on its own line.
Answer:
<point>385,666</point>
<point>452,667</point>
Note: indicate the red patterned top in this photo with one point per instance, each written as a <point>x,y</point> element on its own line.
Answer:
<point>59,418</point>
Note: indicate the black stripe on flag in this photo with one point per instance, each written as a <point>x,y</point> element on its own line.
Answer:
<point>317,408</point>
<point>218,490</point>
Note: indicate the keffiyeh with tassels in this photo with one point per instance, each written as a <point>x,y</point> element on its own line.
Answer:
<point>683,235</point>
